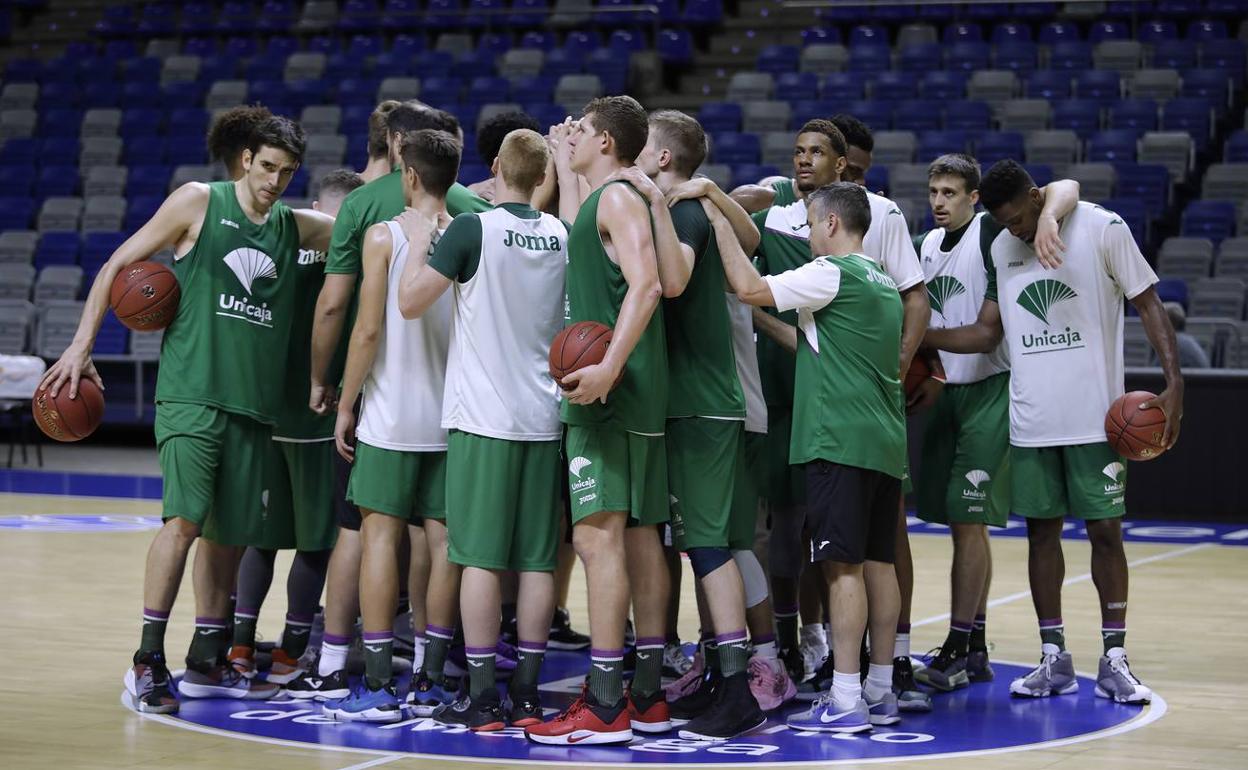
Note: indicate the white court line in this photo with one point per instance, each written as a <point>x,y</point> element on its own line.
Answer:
<point>376,762</point>
<point>1077,579</point>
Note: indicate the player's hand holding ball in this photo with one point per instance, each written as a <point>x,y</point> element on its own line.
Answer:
<point>1140,426</point>
<point>591,384</point>
<point>74,364</point>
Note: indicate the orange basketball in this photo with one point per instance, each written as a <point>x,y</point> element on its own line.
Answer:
<point>918,373</point>
<point>1133,432</point>
<point>66,419</point>
<point>145,296</point>
<point>582,344</point>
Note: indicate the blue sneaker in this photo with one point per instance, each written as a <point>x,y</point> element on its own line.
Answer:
<point>825,717</point>
<point>425,697</point>
<point>365,705</point>
<point>884,711</point>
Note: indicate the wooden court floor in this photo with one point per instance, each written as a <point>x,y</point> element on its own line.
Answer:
<point>69,605</point>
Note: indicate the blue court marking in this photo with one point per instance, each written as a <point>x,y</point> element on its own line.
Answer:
<point>981,719</point>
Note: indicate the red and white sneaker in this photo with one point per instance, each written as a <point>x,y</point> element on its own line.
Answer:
<point>284,669</point>
<point>770,682</point>
<point>648,714</point>
<point>585,722</point>
<point>243,659</point>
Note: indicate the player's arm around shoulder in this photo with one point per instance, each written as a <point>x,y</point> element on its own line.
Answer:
<point>420,285</point>
<point>754,197</point>
<point>315,229</point>
<point>175,224</point>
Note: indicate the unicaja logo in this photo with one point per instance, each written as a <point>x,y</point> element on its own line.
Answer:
<point>943,288</point>
<point>976,478</point>
<point>1114,472</point>
<point>249,265</point>
<point>1042,295</point>
<point>578,464</point>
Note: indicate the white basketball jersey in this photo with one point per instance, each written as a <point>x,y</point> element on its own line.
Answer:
<point>746,351</point>
<point>402,401</point>
<point>504,319</point>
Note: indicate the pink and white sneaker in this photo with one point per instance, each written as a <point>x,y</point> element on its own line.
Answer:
<point>770,682</point>
<point>687,683</point>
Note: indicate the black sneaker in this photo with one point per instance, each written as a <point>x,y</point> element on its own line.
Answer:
<point>698,701</point>
<point>563,636</point>
<point>909,696</point>
<point>482,714</point>
<point>978,669</point>
<point>311,686</point>
<point>792,659</point>
<point>946,671</point>
<point>733,712</point>
<point>525,707</point>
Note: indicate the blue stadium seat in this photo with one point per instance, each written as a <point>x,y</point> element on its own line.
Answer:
<point>778,59</point>
<point>967,56</point>
<point>842,87</point>
<point>365,45</point>
<point>407,44</point>
<point>1116,145</point>
<point>1020,56</point>
<point>751,173</point>
<point>441,90</point>
<point>1206,29</point>
<point>933,144</point>
<point>1133,214</point>
<point>98,246</point>
<point>877,178</point>
<point>1225,55</point>
<point>1010,32</point>
<point>877,115</point>
<point>1146,182</point>
<point>675,46</point>
<point>528,13</point>
<point>1226,7</point>
<point>276,16</point>
<point>735,148</point>
<point>185,150</point>
<point>563,61</point>
<point>57,248</point>
<point>821,36</point>
<point>582,41</point>
<point>1193,115</point>
<point>809,109</point>
<point>1071,55</point>
<point>395,65</point>
<point>920,57</point>
<point>999,145</point>
<point>326,44</point>
<point>869,58</point>
<point>1155,30</point>
<point>797,86</point>
<point>534,88</point>
<point>57,178</point>
<point>946,85</point>
<point>987,10</point>
<point>483,13</point>
<point>1098,84</point>
<point>546,114</point>
<point>18,152</point>
<point>918,115</point>
<point>438,61</point>
<point>1236,148</point>
<point>1047,84</point>
<point>1040,173</point>
<point>17,180</point>
<point>1139,115</point>
<point>281,45</point>
<point>703,12</point>
<point>1109,29</point>
<point>1056,31</point>
<point>937,11</point>
<point>971,116</point>
<point>1174,54</point>
<point>240,47</point>
<point>474,64</point>
<point>400,14</point>
<point>139,209</point>
<point>16,212</point>
<point>58,150</point>
<point>1083,116</point>
<point>60,122</point>
<point>626,41</point>
<point>1178,8</point>
<point>188,120</point>
<point>962,32</point>
<point>471,173</point>
<point>893,86</point>
<point>610,67</point>
<point>23,71</point>
<point>1171,290</point>
<point>1214,220</point>
<point>487,90</point>
<point>1031,10</point>
<point>1211,84</point>
<point>359,91</point>
<point>868,34</point>
<point>148,179</point>
<point>358,15</point>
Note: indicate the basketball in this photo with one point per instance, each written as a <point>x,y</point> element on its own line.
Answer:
<point>1135,433</point>
<point>582,344</point>
<point>66,419</point>
<point>145,296</point>
<point>919,371</point>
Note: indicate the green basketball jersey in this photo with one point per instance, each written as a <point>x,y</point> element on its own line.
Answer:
<point>701,360</point>
<point>596,289</point>
<point>226,346</point>
<point>786,194</point>
<point>784,245</point>
<point>294,419</point>
<point>848,405</point>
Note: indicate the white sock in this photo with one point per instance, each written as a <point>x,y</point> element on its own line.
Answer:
<point>333,658</point>
<point>846,690</point>
<point>418,643</point>
<point>767,650</point>
<point>879,681</point>
<point>901,647</point>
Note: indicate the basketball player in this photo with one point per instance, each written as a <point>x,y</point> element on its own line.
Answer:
<point>490,140</point>
<point>398,452</point>
<point>1063,330</point>
<point>378,201</point>
<point>229,133</point>
<point>501,407</point>
<point>379,158</point>
<point>236,308</point>
<point>617,469</point>
<point>964,477</point>
<point>847,386</point>
<point>300,512</point>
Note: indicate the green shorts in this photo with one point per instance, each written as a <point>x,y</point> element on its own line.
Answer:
<point>965,473</point>
<point>784,485</point>
<point>300,513</point>
<point>1087,481</point>
<point>746,485</point>
<point>506,497</point>
<point>610,469</point>
<point>702,460</point>
<point>409,485</point>
<point>214,467</point>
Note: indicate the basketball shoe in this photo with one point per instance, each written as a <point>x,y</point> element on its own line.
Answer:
<point>814,649</point>
<point>524,707</point>
<point>770,682</point>
<point>909,696</point>
<point>946,671</point>
<point>425,697</point>
<point>482,714</point>
<point>563,636</point>
<point>978,669</point>
<point>675,662</point>
<point>823,716</point>
<point>697,700</point>
<point>366,705</point>
<point>1054,676</point>
<point>243,659</point>
<point>284,669</point>
<point>1115,681</point>
<point>223,681</point>
<point>149,685</point>
<point>649,714</point>
<point>733,712</point>
<point>883,711</point>
<point>688,681</point>
<point>312,686</point>
<point>586,721</point>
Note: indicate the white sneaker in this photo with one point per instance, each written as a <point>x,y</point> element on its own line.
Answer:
<point>1115,681</point>
<point>1054,676</point>
<point>814,648</point>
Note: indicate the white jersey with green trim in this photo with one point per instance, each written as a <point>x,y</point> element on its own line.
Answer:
<point>956,282</point>
<point>1064,326</point>
<point>402,399</point>
<point>745,347</point>
<point>505,316</point>
<point>888,242</point>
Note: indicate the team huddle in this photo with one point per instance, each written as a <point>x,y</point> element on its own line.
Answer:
<point>367,382</point>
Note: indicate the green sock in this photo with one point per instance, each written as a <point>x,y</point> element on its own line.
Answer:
<point>1114,635</point>
<point>606,676</point>
<point>480,670</point>
<point>153,635</point>
<point>648,676</point>
<point>734,652</point>
<point>979,634</point>
<point>378,658</point>
<point>529,665</point>
<point>436,646</point>
<point>208,643</point>
<point>1053,631</point>
<point>295,634</point>
<point>245,627</point>
<point>786,629</point>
